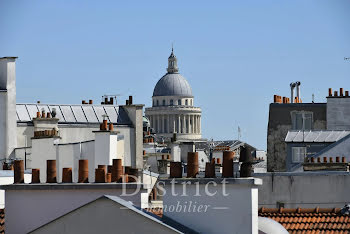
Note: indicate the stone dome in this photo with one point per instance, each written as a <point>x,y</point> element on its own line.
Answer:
<point>173,84</point>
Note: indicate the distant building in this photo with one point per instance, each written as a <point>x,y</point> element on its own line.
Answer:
<point>173,109</point>
<point>297,131</point>
<point>66,132</point>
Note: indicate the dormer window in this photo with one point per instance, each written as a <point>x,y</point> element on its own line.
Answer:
<point>157,102</point>
<point>163,102</point>
<point>179,102</point>
<point>171,102</point>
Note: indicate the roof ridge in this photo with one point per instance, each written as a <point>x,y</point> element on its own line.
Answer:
<point>299,210</point>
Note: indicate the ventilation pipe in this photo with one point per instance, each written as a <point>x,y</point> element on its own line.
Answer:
<point>298,83</point>
<point>292,86</point>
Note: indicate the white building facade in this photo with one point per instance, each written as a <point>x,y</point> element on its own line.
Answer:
<point>173,109</point>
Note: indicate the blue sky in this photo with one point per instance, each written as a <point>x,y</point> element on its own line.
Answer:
<point>235,54</point>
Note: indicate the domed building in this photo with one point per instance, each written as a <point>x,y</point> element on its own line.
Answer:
<point>173,109</point>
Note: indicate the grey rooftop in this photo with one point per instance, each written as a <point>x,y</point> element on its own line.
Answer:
<point>79,114</point>
<point>173,84</point>
<point>315,136</point>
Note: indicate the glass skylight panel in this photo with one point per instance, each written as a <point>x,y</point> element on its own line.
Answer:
<point>32,110</point>
<point>79,114</point>
<point>22,113</point>
<point>112,113</point>
<point>90,114</point>
<point>99,112</point>
<point>68,114</point>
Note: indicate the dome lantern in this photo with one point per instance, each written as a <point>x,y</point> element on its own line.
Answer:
<point>172,63</point>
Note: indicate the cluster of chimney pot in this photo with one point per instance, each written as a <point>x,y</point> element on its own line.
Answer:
<point>227,165</point>
<point>341,93</point>
<point>107,101</point>
<point>103,174</point>
<point>147,138</point>
<point>325,159</point>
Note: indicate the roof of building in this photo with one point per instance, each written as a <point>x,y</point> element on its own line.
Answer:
<point>324,136</point>
<point>317,220</point>
<point>233,144</point>
<point>75,114</point>
<point>173,84</point>
<point>125,204</point>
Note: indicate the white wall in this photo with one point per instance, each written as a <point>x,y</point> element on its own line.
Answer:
<point>338,113</point>
<point>29,209</point>
<point>8,116</point>
<point>9,179</point>
<point>305,189</point>
<point>235,213</point>
<point>43,149</point>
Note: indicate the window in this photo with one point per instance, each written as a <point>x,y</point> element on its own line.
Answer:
<point>154,102</point>
<point>157,102</point>
<point>302,120</point>
<point>191,102</point>
<point>186,102</point>
<point>298,154</point>
<point>171,102</point>
<point>179,102</point>
<point>163,102</point>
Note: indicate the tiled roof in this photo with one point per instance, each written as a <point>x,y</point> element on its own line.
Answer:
<point>2,221</point>
<point>317,220</point>
<point>156,211</point>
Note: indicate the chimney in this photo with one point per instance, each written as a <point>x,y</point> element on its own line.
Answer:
<point>109,178</point>
<point>91,102</point>
<point>192,164</point>
<point>341,92</point>
<point>83,171</point>
<point>19,172</point>
<point>210,169</point>
<point>100,176</point>
<point>8,122</point>
<point>106,101</point>
<point>67,175</point>
<point>35,176</point>
<point>111,101</point>
<point>292,86</point>
<point>346,93</point>
<point>83,102</point>
<point>175,170</point>
<point>125,178</point>
<point>298,89</point>
<point>133,175</point>
<point>117,170</point>
<point>227,170</point>
<point>330,93</point>
<point>51,171</point>
<point>130,100</point>
<point>110,127</point>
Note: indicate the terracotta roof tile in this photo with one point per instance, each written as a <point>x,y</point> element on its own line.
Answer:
<point>309,221</point>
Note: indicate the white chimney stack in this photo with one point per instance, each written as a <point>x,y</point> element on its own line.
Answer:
<point>8,119</point>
